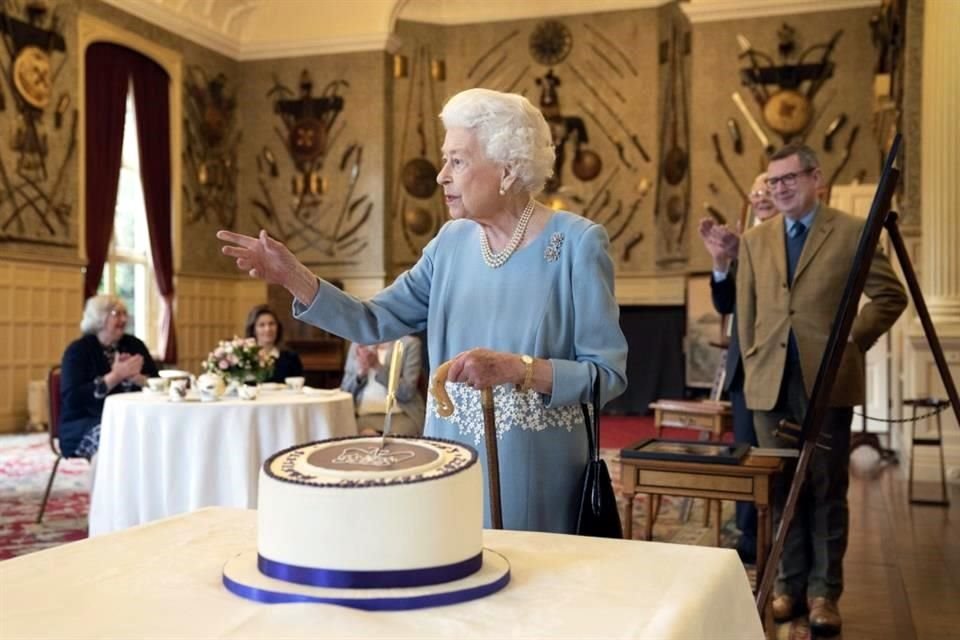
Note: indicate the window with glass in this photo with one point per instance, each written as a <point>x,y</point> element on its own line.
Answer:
<point>128,272</point>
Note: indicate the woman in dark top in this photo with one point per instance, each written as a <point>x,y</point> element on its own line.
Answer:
<point>102,362</point>
<point>262,324</point>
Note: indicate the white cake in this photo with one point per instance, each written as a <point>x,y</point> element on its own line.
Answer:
<point>345,522</point>
<point>346,505</point>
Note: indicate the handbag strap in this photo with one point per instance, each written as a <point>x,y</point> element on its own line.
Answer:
<point>593,425</point>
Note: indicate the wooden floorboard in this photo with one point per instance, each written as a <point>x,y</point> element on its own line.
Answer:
<point>902,567</point>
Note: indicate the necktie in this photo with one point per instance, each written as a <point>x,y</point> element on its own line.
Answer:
<point>795,240</point>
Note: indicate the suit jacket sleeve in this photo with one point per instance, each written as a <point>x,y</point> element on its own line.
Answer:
<point>747,300</point>
<point>887,301</point>
<point>724,293</point>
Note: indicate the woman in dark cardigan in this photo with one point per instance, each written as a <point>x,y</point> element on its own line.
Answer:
<point>102,362</point>
<point>263,325</point>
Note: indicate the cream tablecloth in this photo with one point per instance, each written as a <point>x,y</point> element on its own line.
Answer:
<point>163,580</point>
<point>159,458</point>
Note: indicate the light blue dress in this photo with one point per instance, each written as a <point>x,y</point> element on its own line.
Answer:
<point>552,299</point>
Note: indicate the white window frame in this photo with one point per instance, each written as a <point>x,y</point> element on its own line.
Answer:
<point>147,298</point>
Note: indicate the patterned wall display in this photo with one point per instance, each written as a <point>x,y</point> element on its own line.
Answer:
<point>211,148</point>
<point>39,118</point>
<point>766,114</point>
<point>593,76</point>
<point>40,309</point>
<point>313,170</point>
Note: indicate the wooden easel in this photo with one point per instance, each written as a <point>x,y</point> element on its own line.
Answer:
<point>880,217</point>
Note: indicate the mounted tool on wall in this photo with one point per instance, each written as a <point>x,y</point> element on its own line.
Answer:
<point>788,109</point>
<point>419,176</point>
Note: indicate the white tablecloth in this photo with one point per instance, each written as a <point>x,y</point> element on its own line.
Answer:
<point>163,580</point>
<point>159,458</point>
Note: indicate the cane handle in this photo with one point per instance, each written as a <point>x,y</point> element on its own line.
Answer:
<point>439,390</point>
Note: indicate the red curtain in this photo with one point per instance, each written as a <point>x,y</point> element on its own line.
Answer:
<point>151,98</point>
<point>105,105</point>
<point>110,69</point>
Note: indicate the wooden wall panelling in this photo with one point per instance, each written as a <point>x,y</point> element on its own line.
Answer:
<point>40,309</point>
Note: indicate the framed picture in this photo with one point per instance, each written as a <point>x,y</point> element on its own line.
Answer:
<point>687,451</point>
<point>703,359</point>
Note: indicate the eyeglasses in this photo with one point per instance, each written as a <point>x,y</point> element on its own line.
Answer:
<point>759,193</point>
<point>118,312</point>
<point>788,179</point>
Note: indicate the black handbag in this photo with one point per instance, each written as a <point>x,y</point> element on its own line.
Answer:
<point>598,514</point>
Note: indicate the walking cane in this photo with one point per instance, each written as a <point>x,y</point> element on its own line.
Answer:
<point>445,409</point>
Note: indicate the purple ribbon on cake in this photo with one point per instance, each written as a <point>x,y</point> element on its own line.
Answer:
<point>399,603</point>
<point>340,579</point>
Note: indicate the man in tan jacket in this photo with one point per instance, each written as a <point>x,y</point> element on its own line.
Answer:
<point>789,285</point>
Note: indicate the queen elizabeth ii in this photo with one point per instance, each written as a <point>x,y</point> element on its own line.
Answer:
<point>517,296</point>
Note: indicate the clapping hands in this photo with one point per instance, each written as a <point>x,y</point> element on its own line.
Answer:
<point>721,242</point>
<point>126,366</point>
<point>367,359</point>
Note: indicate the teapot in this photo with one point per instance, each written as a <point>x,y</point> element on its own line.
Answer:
<point>210,386</point>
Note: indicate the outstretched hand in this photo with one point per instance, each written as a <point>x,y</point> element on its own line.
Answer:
<point>261,257</point>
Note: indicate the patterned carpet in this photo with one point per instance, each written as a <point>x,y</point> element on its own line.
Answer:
<point>25,464</point>
<point>26,461</point>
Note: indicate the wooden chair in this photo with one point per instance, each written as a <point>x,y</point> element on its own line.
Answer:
<point>53,393</point>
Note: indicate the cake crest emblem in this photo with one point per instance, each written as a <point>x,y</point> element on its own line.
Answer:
<point>372,457</point>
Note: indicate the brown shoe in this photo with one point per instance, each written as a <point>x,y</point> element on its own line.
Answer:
<point>783,607</point>
<point>824,616</point>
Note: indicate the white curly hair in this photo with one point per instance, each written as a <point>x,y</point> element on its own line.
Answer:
<point>511,131</point>
<point>96,310</point>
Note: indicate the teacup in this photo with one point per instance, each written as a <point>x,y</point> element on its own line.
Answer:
<point>295,383</point>
<point>248,391</point>
<point>157,385</point>
<point>178,389</point>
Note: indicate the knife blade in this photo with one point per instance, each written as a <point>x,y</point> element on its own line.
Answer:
<point>396,363</point>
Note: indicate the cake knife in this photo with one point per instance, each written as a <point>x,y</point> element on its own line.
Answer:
<point>396,363</point>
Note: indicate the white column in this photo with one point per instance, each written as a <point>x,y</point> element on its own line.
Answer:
<point>940,163</point>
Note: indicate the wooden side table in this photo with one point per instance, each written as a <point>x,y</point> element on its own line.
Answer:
<point>749,481</point>
<point>715,417</point>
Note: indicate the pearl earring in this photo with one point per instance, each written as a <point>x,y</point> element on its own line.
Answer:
<point>502,192</point>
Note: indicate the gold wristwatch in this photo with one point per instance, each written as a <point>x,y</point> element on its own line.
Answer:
<point>528,373</point>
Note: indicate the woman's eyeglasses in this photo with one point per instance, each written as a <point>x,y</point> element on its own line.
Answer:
<point>116,313</point>
<point>788,179</point>
<point>759,193</point>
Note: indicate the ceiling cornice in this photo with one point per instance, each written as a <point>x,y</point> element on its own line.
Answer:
<point>461,12</point>
<point>203,33</point>
<point>722,10</point>
<point>272,50</point>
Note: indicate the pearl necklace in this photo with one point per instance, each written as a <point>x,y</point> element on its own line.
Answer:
<point>497,260</point>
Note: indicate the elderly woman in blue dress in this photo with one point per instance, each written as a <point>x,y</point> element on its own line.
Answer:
<point>104,361</point>
<point>518,297</point>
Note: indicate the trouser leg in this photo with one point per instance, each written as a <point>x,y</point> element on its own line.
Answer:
<point>828,480</point>
<point>743,431</point>
<point>796,559</point>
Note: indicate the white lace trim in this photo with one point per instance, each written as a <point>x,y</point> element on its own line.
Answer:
<point>514,410</point>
